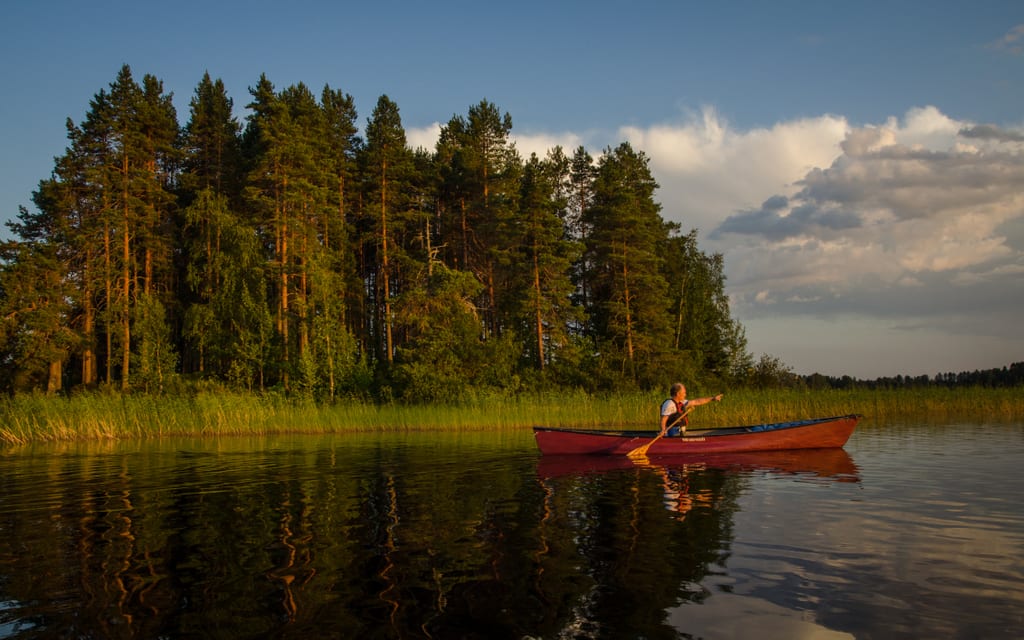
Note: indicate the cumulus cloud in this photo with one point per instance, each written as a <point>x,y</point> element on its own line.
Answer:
<point>541,143</point>
<point>776,220</point>
<point>914,224</point>
<point>707,169</point>
<point>525,143</point>
<point>991,132</point>
<point>910,219</point>
<point>423,137</point>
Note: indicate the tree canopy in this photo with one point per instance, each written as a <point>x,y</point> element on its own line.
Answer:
<point>289,252</point>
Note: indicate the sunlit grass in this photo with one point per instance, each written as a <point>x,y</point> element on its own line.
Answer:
<point>880,407</point>
<point>97,416</point>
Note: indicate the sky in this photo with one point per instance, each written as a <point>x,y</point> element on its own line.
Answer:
<point>860,166</point>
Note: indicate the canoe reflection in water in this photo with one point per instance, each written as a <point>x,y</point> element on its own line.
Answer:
<point>638,538</point>
<point>675,471</point>
<point>825,463</point>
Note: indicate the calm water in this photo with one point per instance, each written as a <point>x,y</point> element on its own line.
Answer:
<point>910,532</point>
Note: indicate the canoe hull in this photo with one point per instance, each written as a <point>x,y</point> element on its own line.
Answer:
<point>819,433</point>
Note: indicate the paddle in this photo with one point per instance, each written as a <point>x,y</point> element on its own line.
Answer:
<point>641,451</point>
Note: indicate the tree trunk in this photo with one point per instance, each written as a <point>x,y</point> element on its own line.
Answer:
<point>625,298</point>
<point>126,255</point>
<point>385,266</point>
<point>88,326</point>
<point>53,381</point>
<point>108,293</point>
<point>126,326</point>
<point>282,324</point>
<point>537,310</point>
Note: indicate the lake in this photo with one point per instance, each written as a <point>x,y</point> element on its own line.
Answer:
<point>911,531</point>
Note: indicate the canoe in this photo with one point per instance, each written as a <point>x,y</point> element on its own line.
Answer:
<point>817,433</point>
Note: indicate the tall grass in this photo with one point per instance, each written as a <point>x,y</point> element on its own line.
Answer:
<point>881,407</point>
<point>38,418</point>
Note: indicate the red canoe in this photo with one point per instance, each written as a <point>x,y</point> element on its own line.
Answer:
<point>819,433</point>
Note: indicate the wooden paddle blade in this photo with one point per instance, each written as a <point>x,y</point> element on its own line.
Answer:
<point>641,451</point>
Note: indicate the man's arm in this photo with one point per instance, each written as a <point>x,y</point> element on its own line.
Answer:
<point>699,401</point>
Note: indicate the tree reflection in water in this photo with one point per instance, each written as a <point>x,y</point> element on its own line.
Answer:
<point>362,539</point>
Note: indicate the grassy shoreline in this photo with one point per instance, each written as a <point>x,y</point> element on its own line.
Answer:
<point>37,418</point>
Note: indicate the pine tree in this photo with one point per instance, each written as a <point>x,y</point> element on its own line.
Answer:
<point>274,191</point>
<point>130,133</point>
<point>480,175</point>
<point>294,187</point>
<point>212,144</point>
<point>543,262</point>
<point>35,336</point>
<point>387,163</point>
<point>341,142</point>
<point>628,312</point>
<point>155,235</point>
<point>108,210</point>
<point>582,174</point>
<point>334,347</point>
<point>712,341</point>
<point>211,191</point>
<point>66,221</point>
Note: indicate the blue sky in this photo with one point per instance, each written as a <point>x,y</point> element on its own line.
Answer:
<point>859,165</point>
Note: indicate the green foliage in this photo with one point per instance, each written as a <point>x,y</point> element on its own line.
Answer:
<point>771,373</point>
<point>539,308</point>
<point>154,359</point>
<point>442,355</point>
<point>627,285</point>
<point>34,331</point>
<point>291,254</point>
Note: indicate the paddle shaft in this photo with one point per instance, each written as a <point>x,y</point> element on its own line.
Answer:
<point>642,449</point>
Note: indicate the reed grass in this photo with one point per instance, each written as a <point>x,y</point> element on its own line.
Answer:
<point>99,416</point>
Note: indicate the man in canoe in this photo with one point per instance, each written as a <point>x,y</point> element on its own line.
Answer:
<point>675,408</point>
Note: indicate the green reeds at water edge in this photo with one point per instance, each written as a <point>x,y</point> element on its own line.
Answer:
<point>38,418</point>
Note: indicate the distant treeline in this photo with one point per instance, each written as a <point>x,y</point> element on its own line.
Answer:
<point>292,253</point>
<point>1012,376</point>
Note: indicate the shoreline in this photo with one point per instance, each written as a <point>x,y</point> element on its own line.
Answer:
<point>103,416</point>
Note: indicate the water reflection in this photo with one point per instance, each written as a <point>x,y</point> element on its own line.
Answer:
<point>462,537</point>
<point>648,534</point>
<point>825,463</point>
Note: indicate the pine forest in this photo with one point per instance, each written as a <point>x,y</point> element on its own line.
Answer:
<point>297,250</point>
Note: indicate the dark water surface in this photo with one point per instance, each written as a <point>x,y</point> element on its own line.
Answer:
<point>910,532</point>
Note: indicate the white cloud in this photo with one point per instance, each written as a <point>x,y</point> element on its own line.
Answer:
<point>925,127</point>
<point>541,143</point>
<point>708,170</point>
<point>525,143</point>
<point>423,137</point>
<point>915,222</point>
